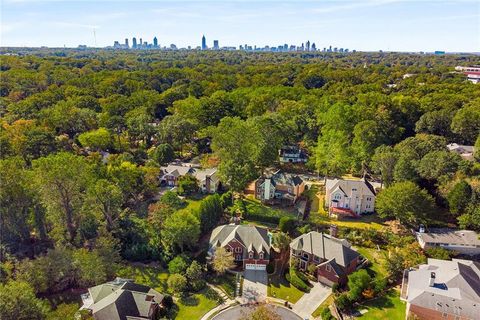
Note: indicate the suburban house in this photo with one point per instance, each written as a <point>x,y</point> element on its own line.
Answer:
<point>122,299</point>
<point>250,245</point>
<point>333,258</point>
<point>292,154</point>
<point>279,187</point>
<point>443,289</point>
<point>466,152</point>
<point>348,197</point>
<point>462,241</point>
<point>208,180</point>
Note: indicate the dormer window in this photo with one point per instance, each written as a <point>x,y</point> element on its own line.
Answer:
<point>328,268</point>
<point>250,255</point>
<point>353,190</point>
<point>238,249</point>
<point>260,255</point>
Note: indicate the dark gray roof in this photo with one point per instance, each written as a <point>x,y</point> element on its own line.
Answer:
<point>325,247</point>
<point>284,178</point>
<point>250,236</point>
<point>122,300</point>
<point>450,236</point>
<point>456,288</point>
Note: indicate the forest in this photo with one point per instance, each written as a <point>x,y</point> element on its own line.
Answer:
<point>85,132</point>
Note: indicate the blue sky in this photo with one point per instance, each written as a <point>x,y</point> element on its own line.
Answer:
<point>401,25</point>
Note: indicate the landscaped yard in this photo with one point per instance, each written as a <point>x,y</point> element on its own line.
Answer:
<point>387,307</point>
<point>279,287</point>
<point>226,282</point>
<point>376,257</point>
<point>191,307</point>
<point>365,222</point>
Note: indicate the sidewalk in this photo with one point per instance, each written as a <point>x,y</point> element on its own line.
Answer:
<point>227,302</point>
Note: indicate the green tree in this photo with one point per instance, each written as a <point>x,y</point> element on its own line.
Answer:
<point>358,282</point>
<point>287,224</point>
<point>439,253</point>
<point>172,200</point>
<point>406,202</point>
<point>477,149</point>
<point>107,198</point>
<point>179,265</point>
<point>90,268</point>
<point>222,260</point>
<point>436,165</point>
<point>459,197</point>
<point>99,139</point>
<point>210,212</point>
<point>163,154</point>
<point>466,122</point>
<point>177,284</point>
<point>194,274</point>
<point>187,185</point>
<point>181,230</point>
<point>61,180</point>
<point>383,162</point>
<point>19,302</point>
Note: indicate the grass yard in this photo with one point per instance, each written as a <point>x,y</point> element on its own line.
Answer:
<point>279,287</point>
<point>155,277</point>
<point>196,305</point>
<point>387,307</point>
<point>376,257</point>
<point>226,282</point>
<point>324,304</point>
<point>369,221</point>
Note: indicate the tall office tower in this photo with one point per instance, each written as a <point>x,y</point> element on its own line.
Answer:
<point>215,45</point>
<point>204,43</point>
<point>314,47</point>
<point>155,42</point>
<point>140,43</point>
<point>307,45</point>
<point>134,42</point>
<point>330,49</point>
<point>126,43</point>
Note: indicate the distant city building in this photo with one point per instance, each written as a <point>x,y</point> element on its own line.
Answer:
<point>126,43</point>
<point>439,52</point>
<point>204,43</point>
<point>155,42</point>
<point>134,42</point>
<point>307,45</point>
<point>314,47</point>
<point>215,45</point>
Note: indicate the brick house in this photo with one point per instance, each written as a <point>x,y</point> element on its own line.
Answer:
<point>334,259</point>
<point>279,187</point>
<point>443,289</point>
<point>250,245</point>
<point>208,180</point>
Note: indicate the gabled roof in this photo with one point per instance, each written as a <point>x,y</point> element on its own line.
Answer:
<point>450,236</point>
<point>456,287</point>
<point>202,174</point>
<point>346,185</point>
<point>334,266</point>
<point>122,299</point>
<point>325,247</point>
<point>251,237</point>
<point>282,178</point>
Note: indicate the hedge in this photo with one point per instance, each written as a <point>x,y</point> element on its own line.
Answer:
<point>296,281</point>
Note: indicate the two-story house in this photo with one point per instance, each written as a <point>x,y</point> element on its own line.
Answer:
<point>122,299</point>
<point>442,289</point>
<point>349,197</point>
<point>279,187</point>
<point>208,180</point>
<point>292,154</point>
<point>333,258</point>
<point>250,245</point>
<point>462,241</point>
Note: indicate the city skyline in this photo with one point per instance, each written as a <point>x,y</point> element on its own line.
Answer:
<point>366,25</point>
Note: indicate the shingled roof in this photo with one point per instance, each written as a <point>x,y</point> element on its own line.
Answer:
<point>251,237</point>
<point>455,289</point>
<point>325,247</point>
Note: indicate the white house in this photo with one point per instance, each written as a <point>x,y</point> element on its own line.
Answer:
<point>208,180</point>
<point>349,197</point>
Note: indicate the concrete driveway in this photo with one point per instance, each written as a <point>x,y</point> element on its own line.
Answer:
<point>255,284</point>
<point>309,302</point>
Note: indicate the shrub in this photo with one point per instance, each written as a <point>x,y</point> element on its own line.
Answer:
<point>296,281</point>
<point>177,284</point>
<point>325,314</point>
<point>178,265</point>
<point>287,224</point>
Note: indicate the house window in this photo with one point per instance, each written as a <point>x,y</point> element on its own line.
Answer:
<point>250,255</point>
<point>369,199</point>
<point>228,249</point>
<point>238,249</point>
<point>338,197</point>
<point>328,268</point>
<point>239,257</point>
<point>354,189</point>
<point>260,255</point>
<point>346,205</point>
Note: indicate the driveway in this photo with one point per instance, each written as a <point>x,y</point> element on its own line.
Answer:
<point>309,302</point>
<point>255,284</point>
<point>242,311</point>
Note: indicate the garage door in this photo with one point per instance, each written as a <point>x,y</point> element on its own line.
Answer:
<point>250,266</point>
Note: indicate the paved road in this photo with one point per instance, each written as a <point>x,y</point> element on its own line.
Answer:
<point>255,284</point>
<point>239,312</point>
<point>309,302</point>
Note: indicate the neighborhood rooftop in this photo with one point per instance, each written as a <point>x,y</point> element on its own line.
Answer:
<point>450,236</point>
<point>251,237</point>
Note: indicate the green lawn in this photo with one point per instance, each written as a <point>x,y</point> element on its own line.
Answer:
<point>279,287</point>
<point>387,307</point>
<point>324,304</point>
<point>226,282</point>
<point>196,305</point>
<point>376,257</point>
<point>155,277</point>
<point>369,221</point>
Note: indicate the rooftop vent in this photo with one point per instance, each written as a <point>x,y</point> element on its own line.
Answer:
<point>431,282</point>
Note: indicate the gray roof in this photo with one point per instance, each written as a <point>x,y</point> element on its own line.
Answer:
<point>459,148</point>
<point>450,236</point>
<point>456,287</point>
<point>283,178</point>
<point>325,247</point>
<point>251,237</point>
<point>346,185</point>
<point>202,174</point>
<point>122,300</point>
